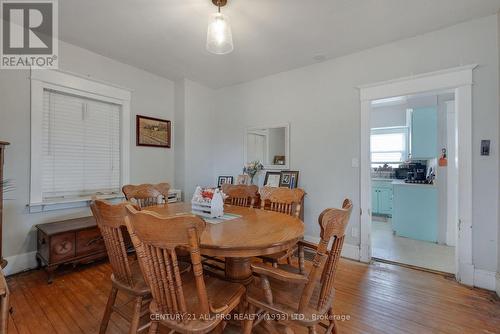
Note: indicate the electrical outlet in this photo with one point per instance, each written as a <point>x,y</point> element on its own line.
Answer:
<point>355,232</point>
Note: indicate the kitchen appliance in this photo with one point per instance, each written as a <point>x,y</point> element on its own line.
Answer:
<point>417,173</point>
<point>401,172</point>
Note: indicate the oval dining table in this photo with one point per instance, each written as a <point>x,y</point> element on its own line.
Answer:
<point>254,232</point>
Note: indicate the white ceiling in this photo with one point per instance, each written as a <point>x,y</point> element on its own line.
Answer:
<point>167,37</point>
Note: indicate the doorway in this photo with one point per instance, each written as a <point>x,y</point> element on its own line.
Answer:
<point>409,154</point>
<point>459,81</point>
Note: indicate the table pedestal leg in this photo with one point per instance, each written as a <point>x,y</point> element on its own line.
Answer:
<point>238,270</point>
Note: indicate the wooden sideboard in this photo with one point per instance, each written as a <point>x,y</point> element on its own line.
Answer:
<point>68,242</point>
<point>3,144</point>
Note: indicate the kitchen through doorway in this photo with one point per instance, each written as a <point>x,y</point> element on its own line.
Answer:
<point>413,180</point>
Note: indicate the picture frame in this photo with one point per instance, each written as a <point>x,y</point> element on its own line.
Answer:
<point>289,179</point>
<point>153,132</point>
<point>279,160</point>
<point>223,180</point>
<point>243,179</point>
<point>272,179</point>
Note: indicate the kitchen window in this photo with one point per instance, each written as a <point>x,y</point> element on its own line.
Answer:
<point>388,146</point>
<point>80,140</point>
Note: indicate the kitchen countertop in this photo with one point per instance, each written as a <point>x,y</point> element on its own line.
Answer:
<point>399,182</point>
<point>403,183</point>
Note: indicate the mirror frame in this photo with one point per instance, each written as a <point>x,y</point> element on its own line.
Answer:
<point>287,145</point>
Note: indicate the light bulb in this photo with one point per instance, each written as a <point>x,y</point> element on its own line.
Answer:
<point>219,36</point>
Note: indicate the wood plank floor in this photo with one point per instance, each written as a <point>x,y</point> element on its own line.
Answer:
<point>377,298</point>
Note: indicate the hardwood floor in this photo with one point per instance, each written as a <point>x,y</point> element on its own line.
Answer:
<point>378,298</point>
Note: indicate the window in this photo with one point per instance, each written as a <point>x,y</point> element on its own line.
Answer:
<point>80,147</point>
<point>389,146</point>
<point>80,140</point>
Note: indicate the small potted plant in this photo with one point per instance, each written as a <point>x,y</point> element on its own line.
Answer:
<point>252,169</point>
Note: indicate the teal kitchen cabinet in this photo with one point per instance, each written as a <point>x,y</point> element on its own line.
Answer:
<point>415,211</point>
<point>382,197</point>
<point>385,201</point>
<point>424,132</point>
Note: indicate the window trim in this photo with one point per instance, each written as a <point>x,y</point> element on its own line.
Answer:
<point>389,130</point>
<point>69,83</point>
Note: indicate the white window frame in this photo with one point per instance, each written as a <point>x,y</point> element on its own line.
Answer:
<point>76,85</point>
<point>389,130</point>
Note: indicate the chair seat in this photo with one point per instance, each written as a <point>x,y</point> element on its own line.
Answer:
<point>276,257</point>
<point>220,294</point>
<point>282,299</point>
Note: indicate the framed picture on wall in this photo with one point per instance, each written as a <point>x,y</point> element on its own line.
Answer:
<point>272,179</point>
<point>289,179</point>
<point>153,132</point>
<point>224,179</point>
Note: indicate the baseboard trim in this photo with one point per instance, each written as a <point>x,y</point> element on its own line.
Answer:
<point>484,279</point>
<point>20,262</point>
<point>348,251</point>
<point>466,274</point>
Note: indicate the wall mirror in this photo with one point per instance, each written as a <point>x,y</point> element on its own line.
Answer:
<point>269,145</point>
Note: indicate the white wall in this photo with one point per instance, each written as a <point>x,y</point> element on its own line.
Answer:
<point>152,96</point>
<point>322,105</point>
<point>195,129</point>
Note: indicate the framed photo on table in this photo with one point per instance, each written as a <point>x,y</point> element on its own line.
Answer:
<point>289,179</point>
<point>224,179</point>
<point>243,179</point>
<point>272,179</point>
<point>153,132</point>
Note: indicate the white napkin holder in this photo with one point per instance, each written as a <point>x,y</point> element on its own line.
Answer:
<point>208,208</point>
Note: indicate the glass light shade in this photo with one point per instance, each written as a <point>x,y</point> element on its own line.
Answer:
<point>219,36</point>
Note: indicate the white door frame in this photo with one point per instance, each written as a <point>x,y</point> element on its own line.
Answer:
<point>459,79</point>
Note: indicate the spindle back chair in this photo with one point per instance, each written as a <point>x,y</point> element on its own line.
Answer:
<point>126,276</point>
<point>283,200</point>
<point>240,194</point>
<point>316,299</point>
<point>147,194</point>
<point>193,303</point>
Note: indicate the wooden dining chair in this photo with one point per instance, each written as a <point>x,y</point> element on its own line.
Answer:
<point>4,304</point>
<point>316,298</point>
<point>191,303</point>
<point>283,200</point>
<point>240,194</point>
<point>147,194</point>
<point>126,276</point>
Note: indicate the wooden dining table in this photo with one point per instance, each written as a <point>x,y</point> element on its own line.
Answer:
<point>254,232</point>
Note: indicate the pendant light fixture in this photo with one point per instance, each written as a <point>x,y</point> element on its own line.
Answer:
<point>219,37</point>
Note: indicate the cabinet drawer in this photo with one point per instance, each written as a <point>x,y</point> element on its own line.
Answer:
<point>89,241</point>
<point>62,247</point>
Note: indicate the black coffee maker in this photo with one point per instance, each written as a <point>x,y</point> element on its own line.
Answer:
<point>417,173</point>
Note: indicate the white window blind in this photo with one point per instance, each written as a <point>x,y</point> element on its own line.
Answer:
<point>80,146</point>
